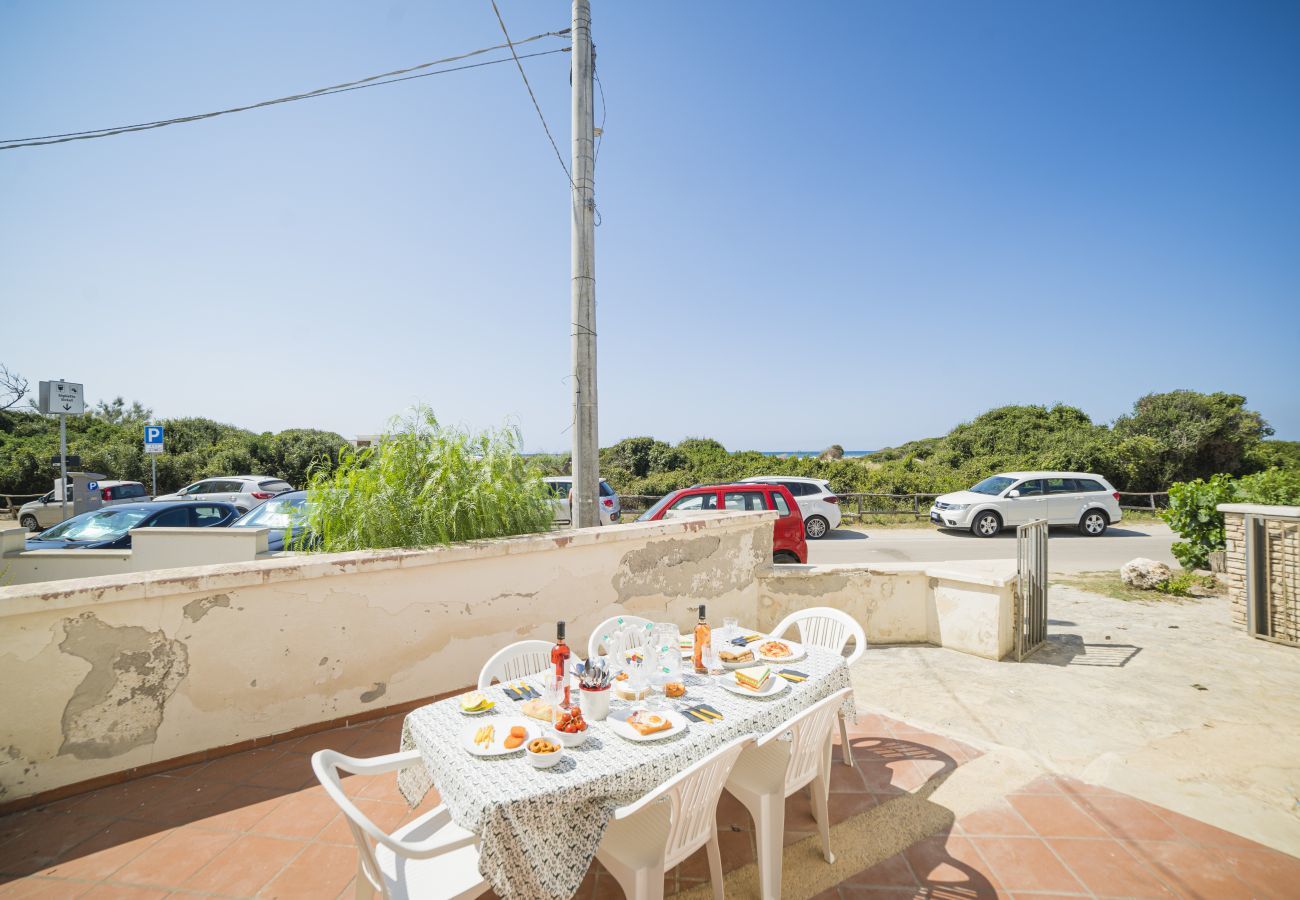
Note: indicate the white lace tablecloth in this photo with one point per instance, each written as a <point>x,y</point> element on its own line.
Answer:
<point>539,828</point>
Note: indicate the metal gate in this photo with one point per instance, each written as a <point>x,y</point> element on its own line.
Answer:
<point>1031,587</point>
<point>1273,578</point>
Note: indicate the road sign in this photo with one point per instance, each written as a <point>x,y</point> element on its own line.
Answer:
<point>92,485</point>
<point>153,439</point>
<point>74,462</point>
<point>64,398</point>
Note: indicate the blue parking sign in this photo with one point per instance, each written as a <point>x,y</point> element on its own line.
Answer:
<point>153,439</point>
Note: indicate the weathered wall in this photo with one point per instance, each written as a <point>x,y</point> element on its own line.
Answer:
<point>1279,557</point>
<point>105,674</point>
<point>966,606</point>
<point>152,548</point>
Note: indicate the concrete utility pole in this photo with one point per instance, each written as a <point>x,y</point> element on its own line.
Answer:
<point>586,448</point>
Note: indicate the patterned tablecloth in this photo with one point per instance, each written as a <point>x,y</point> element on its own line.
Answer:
<point>539,828</point>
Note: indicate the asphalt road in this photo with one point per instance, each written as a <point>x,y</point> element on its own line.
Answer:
<point>1067,550</point>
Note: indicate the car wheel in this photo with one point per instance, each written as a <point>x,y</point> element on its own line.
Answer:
<point>987,524</point>
<point>816,527</point>
<point>29,522</point>
<point>1093,523</point>
<point>785,557</point>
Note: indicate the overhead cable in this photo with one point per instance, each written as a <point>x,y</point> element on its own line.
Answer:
<point>367,82</point>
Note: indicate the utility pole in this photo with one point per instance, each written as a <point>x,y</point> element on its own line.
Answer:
<point>586,448</point>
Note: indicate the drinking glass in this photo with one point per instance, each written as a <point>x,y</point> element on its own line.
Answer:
<point>730,630</point>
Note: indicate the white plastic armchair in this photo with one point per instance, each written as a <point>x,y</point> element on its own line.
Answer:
<point>516,661</point>
<point>796,755</point>
<point>429,857</point>
<point>606,632</point>
<point>646,838</point>
<point>830,629</point>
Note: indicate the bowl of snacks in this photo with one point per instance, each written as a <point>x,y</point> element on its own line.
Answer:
<point>674,689</point>
<point>543,753</point>
<point>570,727</point>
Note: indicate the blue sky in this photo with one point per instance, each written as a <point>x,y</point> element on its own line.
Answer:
<point>826,222</point>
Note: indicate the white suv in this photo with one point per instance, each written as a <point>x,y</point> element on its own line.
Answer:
<point>1013,498</point>
<point>245,491</point>
<point>817,502</point>
<point>611,508</point>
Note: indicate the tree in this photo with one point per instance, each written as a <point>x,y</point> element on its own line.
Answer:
<point>118,413</point>
<point>834,451</point>
<point>13,387</point>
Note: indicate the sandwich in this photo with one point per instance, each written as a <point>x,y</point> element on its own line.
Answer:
<point>753,678</point>
<point>738,655</point>
<point>648,722</point>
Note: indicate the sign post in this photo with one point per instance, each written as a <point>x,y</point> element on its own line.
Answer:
<point>153,445</point>
<point>63,398</point>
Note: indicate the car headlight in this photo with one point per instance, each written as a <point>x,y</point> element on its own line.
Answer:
<point>958,507</point>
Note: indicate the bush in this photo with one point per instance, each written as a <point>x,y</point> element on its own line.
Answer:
<point>1193,508</point>
<point>1181,584</point>
<point>425,485</point>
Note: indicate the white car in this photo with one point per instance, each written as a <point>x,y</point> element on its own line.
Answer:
<point>817,502</point>
<point>1081,499</point>
<point>37,515</point>
<point>611,508</point>
<point>245,491</point>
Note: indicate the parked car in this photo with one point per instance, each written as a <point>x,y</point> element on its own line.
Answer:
<point>285,515</point>
<point>611,508</point>
<point>47,511</point>
<point>1082,499</point>
<point>109,528</point>
<point>245,491</point>
<point>788,542</point>
<point>817,502</point>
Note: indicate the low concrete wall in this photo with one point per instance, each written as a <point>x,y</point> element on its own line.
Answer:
<point>1279,560</point>
<point>966,606</point>
<point>106,674</point>
<point>151,549</point>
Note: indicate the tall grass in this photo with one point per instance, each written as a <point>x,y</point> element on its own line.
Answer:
<point>424,484</point>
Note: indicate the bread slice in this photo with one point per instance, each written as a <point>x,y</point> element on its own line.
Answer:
<point>754,677</point>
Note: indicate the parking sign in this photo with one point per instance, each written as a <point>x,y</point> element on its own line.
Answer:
<point>153,439</point>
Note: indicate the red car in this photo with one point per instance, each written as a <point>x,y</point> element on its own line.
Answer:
<point>788,542</point>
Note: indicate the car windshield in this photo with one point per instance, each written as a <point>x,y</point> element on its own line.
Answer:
<point>276,513</point>
<point>100,525</point>
<point>650,513</point>
<point>994,485</point>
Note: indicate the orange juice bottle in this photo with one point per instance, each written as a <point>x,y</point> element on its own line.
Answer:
<point>702,640</point>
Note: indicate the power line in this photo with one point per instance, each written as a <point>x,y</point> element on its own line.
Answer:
<point>367,82</point>
<point>524,76</point>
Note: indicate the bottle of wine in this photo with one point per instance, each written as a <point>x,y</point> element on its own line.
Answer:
<point>702,640</point>
<point>560,659</point>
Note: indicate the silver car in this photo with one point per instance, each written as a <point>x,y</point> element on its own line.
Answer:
<point>245,491</point>
<point>611,509</point>
<point>47,511</point>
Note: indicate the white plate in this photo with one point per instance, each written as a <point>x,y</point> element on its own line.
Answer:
<point>745,663</point>
<point>796,651</point>
<point>627,732</point>
<point>503,726</point>
<point>775,685</point>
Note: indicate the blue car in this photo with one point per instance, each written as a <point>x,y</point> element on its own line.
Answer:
<point>110,528</point>
<point>285,515</point>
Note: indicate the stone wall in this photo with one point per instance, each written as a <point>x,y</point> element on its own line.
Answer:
<point>1278,553</point>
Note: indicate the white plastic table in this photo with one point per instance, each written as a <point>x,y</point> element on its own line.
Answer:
<point>539,828</point>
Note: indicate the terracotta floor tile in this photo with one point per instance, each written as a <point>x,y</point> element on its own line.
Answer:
<point>908,775</point>
<point>997,819</point>
<point>1055,816</point>
<point>321,871</point>
<point>236,768</point>
<point>175,858</point>
<point>299,816</point>
<point>188,801</point>
<point>386,814</point>
<point>104,853</point>
<point>1267,871</point>
<point>38,887</point>
<point>289,771</point>
<point>245,866</point>
<point>1043,784</point>
<point>892,872</point>
<point>336,832</point>
<point>1025,864</point>
<point>846,779</point>
<point>854,892</point>
<point>846,806</point>
<point>340,739</point>
<point>1191,871</point>
<point>732,814</point>
<point>112,891</point>
<point>389,724</point>
<point>1202,833</point>
<point>1127,818</point>
<point>953,863</point>
<point>241,808</point>
<point>47,840</point>
<point>1108,869</point>
<point>377,743</point>
<point>379,787</point>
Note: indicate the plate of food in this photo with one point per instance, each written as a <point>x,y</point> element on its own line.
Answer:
<point>500,737</point>
<point>734,657</point>
<point>475,704</point>
<point>753,681</point>
<point>649,725</point>
<point>773,650</point>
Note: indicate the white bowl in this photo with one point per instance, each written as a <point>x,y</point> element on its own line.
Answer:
<point>570,740</point>
<point>543,760</point>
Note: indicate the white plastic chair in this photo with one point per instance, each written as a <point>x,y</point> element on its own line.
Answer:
<point>796,755</point>
<point>519,660</point>
<point>646,838</point>
<point>605,632</point>
<point>430,857</point>
<point>830,629</point>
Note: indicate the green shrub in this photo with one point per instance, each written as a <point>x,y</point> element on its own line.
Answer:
<point>1193,508</point>
<point>1181,584</point>
<point>424,484</point>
